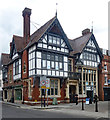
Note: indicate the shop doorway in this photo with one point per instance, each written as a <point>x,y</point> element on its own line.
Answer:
<point>90,94</point>
<point>72,92</point>
<point>107,94</point>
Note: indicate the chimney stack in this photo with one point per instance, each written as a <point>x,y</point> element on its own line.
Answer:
<point>26,27</point>
<point>10,46</point>
<point>85,31</point>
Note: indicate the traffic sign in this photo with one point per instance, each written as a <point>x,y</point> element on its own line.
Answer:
<point>43,82</point>
<point>48,83</point>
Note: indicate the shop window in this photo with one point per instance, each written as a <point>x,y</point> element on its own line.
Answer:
<point>53,87</point>
<point>18,94</point>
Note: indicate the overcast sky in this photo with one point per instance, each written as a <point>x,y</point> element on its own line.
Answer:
<point>74,16</point>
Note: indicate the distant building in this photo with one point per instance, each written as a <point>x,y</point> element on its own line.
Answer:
<point>1,83</point>
<point>104,76</point>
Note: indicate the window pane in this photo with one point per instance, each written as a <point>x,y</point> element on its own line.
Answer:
<point>44,56</point>
<point>43,63</point>
<point>65,59</point>
<point>52,64</point>
<point>48,64</point>
<point>50,39</point>
<point>44,72</point>
<point>49,72</point>
<point>58,41</point>
<point>56,66</point>
<point>52,57</point>
<point>60,65</point>
<point>60,58</point>
<point>48,57</point>
<point>62,49</point>
<point>56,58</point>
<point>39,54</point>
<point>65,67</point>
<point>52,91</point>
<point>38,63</point>
<point>54,40</point>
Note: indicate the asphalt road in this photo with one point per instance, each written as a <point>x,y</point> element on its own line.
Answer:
<point>14,112</point>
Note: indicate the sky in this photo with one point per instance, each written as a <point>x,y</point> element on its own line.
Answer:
<point>74,16</point>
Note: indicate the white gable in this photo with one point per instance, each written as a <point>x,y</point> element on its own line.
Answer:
<point>91,44</point>
<point>54,43</point>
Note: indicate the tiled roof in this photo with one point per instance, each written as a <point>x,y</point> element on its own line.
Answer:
<point>79,43</point>
<point>38,34</point>
<point>18,42</point>
<point>5,59</point>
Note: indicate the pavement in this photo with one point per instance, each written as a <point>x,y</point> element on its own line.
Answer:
<point>89,110</point>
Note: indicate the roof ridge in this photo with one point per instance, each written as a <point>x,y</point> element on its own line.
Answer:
<point>80,37</point>
<point>43,25</point>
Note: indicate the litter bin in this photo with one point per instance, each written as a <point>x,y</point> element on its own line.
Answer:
<point>54,101</point>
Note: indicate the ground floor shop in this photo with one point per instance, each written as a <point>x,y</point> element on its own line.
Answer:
<point>61,89</point>
<point>88,82</point>
<point>106,93</point>
<point>13,94</point>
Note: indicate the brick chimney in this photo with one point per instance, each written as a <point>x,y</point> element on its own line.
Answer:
<point>10,46</point>
<point>85,31</point>
<point>26,26</point>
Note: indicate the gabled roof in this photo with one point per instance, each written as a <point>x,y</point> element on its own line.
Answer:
<point>43,29</point>
<point>38,33</point>
<point>79,43</point>
<point>18,43</point>
<point>5,59</point>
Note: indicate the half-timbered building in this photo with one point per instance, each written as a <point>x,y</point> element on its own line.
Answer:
<point>88,57</point>
<point>71,65</point>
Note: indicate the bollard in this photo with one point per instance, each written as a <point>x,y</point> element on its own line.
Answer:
<point>82,105</point>
<point>96,106</point>
<point>44,97</point>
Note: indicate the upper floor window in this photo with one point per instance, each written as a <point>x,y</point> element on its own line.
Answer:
<point>106,80</point>
<point>54,40</point>
<point>69,65</point>
<point>4,74</point>
<point>104,51</point>
<point>105,67</point>
<point>16,67</point>
<point>10,76</point>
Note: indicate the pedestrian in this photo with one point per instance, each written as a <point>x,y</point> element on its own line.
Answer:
<point>95,98</point>
<point>76,98</point>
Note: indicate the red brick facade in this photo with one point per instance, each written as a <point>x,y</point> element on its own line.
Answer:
<point>102,74</point>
